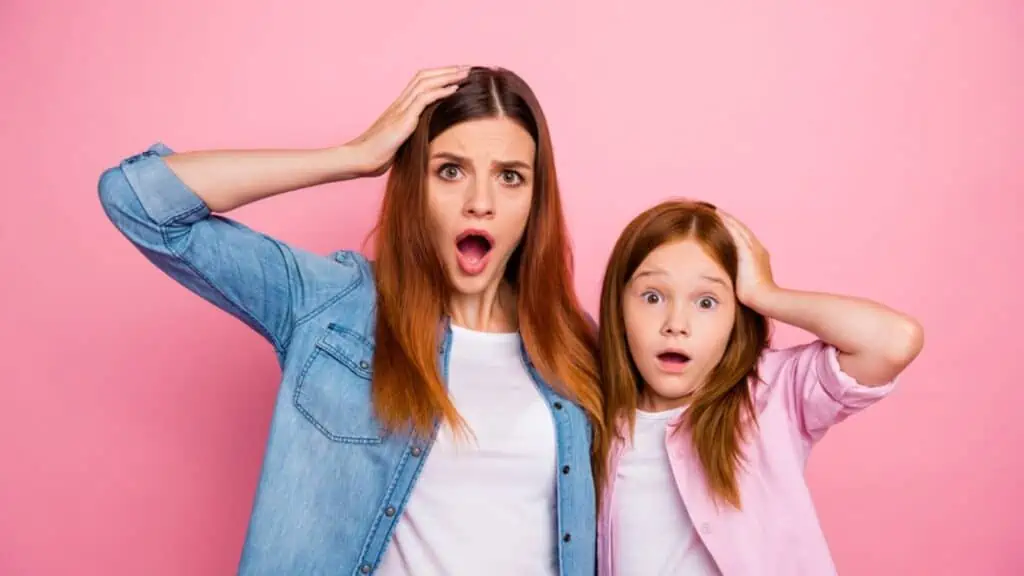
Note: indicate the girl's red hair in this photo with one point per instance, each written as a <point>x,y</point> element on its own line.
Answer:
<point>720,410</point>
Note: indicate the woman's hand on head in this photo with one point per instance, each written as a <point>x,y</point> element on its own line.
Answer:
<point>374,150</point>
<point>754,272</point>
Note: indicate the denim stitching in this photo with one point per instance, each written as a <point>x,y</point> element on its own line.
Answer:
<point>300,384</point>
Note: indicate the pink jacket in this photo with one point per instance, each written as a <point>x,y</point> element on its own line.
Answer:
<point>777,531</point>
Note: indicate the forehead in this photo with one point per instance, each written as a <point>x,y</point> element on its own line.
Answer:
<point>499,139</point>
<point>681,260</point>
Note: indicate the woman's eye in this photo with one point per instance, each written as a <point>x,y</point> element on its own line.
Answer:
<point>707,303</point>
<point>449,172</point>
<point>652,297</point>
<point>511,178</point>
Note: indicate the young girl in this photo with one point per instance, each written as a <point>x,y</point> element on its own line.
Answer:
<point>705,473</point>
<point>435,408</point>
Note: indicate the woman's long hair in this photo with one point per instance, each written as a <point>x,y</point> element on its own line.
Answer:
<point>413,291</point>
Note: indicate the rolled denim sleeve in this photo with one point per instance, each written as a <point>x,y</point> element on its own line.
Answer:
<point>245,273</point>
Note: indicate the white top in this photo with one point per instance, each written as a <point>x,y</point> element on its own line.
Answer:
<point>654,535</point>
<point>484,503</point>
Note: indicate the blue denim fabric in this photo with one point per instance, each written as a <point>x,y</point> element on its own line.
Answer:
<point>332,486</point>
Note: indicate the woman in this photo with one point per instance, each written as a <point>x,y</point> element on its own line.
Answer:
<point>462,341</point>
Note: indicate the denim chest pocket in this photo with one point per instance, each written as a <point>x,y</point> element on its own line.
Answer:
<point>333,390</point>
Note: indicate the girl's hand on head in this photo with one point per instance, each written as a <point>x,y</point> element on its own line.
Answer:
<point>374,150</point>
<point>754,274</point>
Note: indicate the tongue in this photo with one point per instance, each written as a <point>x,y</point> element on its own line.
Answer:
<point>473,248</point>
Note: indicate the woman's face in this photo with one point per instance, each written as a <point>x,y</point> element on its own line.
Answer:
<point>479,191</point>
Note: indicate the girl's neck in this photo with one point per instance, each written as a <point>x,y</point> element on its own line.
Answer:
<point>651,403</point>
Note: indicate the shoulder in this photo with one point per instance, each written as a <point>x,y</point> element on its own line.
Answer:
<point>778,364</point>
<point>780,370</point>
<point>343,277</point>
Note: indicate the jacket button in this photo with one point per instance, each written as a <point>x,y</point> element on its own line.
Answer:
<point>567,537</point>
<point>558,405</point>
<point>416,451</point>
<point>364,364</point>
<point>365,568</point>
<point>389,511</point>
<point>565,469</point>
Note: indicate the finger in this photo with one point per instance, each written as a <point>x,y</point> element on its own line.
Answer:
<point>429,78</point>
<point>431,83</point>
<point>424,99</point>
<point>729,218</point>
<point>429,73</point>
<point>740,227</point>
<point>404,97</point>
<point>739,235</point>
<point>731,223</point>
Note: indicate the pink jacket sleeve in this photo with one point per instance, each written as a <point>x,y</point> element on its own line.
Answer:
<point>816,392</point>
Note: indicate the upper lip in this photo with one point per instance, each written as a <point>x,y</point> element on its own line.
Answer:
<point>474,232</point>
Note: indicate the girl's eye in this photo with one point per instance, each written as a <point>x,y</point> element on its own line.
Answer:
<point>511,178</point>
<point>449,172</point>
<point>707,303</point>
<point>651,297</point>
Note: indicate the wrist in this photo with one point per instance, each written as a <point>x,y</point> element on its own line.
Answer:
<point>343,163</point>
<point>763,299</point>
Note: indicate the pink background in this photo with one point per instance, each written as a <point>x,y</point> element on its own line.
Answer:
<point>876,147</point>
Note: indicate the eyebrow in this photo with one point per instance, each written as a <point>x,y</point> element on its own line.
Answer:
<point>649,272</point>
<point>504,164</point>
<point>660,272</point>
<point>715,280</point>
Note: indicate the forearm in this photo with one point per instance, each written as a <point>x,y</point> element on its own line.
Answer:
<point>228,179</point>
<point>875,342</point>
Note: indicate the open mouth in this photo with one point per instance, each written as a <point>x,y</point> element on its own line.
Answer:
<point>473,247</point>
<point>673,360</point>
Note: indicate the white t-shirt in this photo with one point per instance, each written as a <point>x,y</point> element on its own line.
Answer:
<point>484,504</point>
<point>654,535</point>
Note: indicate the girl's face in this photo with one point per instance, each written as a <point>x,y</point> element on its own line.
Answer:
<point>679,308</point>
<point>480,189</point>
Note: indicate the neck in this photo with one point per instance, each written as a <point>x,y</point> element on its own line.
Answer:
<point>650,401</point>
<point>493,310</point>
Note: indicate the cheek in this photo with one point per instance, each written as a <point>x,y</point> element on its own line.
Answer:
<point>641,331</point>
<point>514,214</point>
<point>633,318</point>
<point>442,205</point>
<point>719,330</point>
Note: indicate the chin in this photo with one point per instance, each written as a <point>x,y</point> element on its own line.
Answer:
<point>469,285</point>
<point>671,387</point>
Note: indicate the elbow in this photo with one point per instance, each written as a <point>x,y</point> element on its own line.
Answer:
<point>113,190</point>
<point>906,343</point>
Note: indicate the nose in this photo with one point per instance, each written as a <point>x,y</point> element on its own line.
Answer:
<point>677,322</point>
<point>479,199</point>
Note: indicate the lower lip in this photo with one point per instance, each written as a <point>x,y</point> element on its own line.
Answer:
<point>471,266</point>
<point>672,366</point>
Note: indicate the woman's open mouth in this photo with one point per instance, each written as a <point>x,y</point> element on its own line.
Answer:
<point>472,249</point>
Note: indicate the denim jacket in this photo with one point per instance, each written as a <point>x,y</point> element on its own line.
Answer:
<point>332,485</point>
